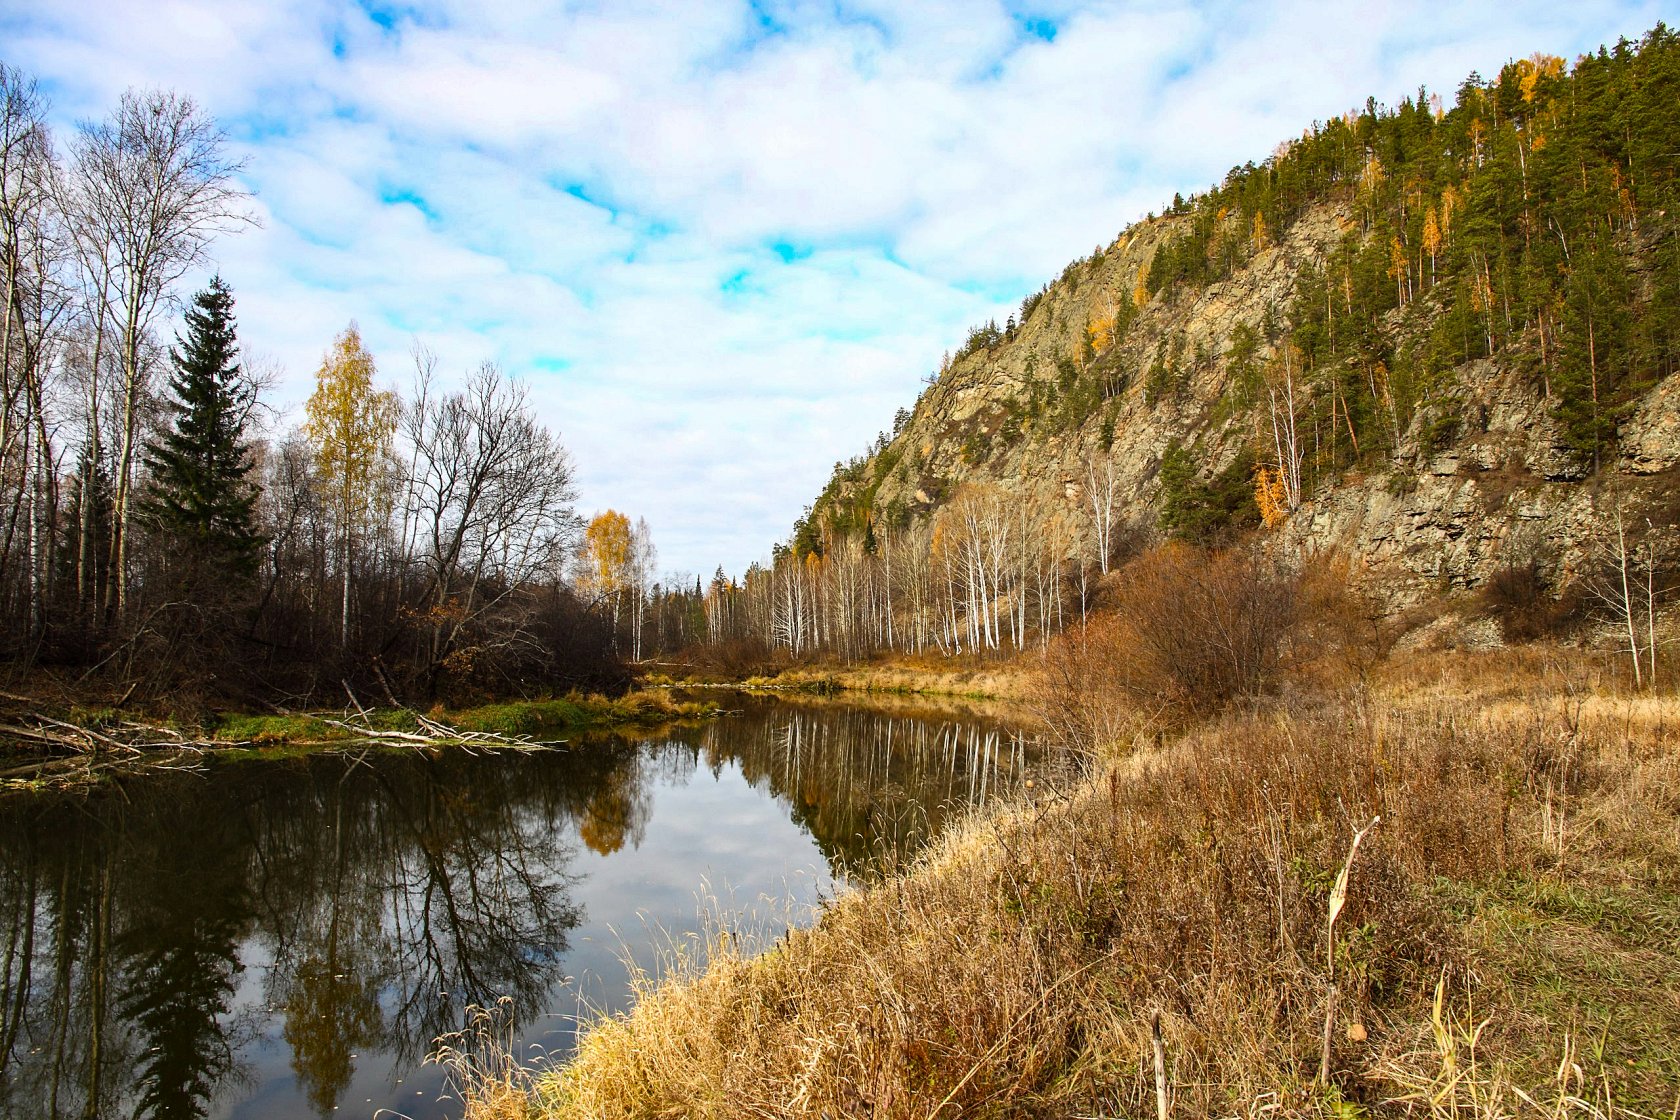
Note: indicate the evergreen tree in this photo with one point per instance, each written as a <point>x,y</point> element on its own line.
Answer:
<point>199,498</point>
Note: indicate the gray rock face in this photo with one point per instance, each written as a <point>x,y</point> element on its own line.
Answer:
<point>1439,514</point>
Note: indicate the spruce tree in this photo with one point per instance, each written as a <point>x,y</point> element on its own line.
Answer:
<point>199,499</point>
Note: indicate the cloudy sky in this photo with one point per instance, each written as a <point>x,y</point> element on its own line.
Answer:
<point>724,242</point>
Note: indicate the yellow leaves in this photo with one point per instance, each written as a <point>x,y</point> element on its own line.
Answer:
<point>1450,199</point>
<point>1140,290</point>
<point>1481,291</point>
<point>1431,234</point>
<point>350,422</point>
<point>1099,332</point>
<point>1262,235</point>
<point>606,553</point>
<point>1373,175</point>
<point>1534,69</point>
<point>1397,262</point>
<point>1271,496</point>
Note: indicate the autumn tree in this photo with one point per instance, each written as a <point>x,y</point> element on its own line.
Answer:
<point>350,424</point>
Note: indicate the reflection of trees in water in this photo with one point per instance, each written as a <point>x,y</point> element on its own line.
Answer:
<point>377,898</point>
<point>867,784</point>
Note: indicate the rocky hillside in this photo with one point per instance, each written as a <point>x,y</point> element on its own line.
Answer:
<point>1469,318</point>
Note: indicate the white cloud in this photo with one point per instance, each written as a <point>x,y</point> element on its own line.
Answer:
<point>602,199</point>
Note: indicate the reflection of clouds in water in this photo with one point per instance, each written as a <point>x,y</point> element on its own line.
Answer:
<point>290,935</point>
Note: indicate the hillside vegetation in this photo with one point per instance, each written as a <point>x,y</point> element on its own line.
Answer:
<point>1436,335</point>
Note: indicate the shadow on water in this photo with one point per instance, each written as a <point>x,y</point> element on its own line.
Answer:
<point>240,944</point>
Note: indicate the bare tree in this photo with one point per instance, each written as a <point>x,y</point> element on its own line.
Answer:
<point>1626,586</point>
<point>37,303</point>
<point>1101,482</point>
<point>490,498</point>
<point>151,187</point>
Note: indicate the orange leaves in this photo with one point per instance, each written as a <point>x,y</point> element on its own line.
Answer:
<point>1099,332</point>
<point>1431,233</point>
<point>1450,200</point>
<point>1373,175</point>
<point>1270,494</point>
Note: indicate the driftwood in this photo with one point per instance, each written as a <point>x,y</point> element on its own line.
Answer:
<point>55,748</point>
<point>435,733</point>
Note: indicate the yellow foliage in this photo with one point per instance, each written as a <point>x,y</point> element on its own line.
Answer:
<point>1396,258</point>
<point>1099,332</point>
<point>1373,175</point>
<point>1449,203</point>
<point>1262,236</point>
<point>1481,292</point>
<point>1140,290</point>
<point>350,422</point>
<point>1431,234</point>
<point>1271,496</point>
<point>1533,69</point>
<point>606,553</point>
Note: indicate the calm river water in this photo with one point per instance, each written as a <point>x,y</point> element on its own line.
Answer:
<point>280,938</point>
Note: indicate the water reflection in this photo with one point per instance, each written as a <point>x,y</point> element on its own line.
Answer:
<point>174,946</point>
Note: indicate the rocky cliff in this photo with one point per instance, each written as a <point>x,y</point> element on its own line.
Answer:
<point>1455,391</point>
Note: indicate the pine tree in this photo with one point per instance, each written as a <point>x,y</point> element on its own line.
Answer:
<point>198,497</point>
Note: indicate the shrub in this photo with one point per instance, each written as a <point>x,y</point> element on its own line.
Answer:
<point>1186,631</point>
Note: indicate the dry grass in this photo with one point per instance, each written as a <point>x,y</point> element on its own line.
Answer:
<point>1508,945</point>
<point>993,680</point>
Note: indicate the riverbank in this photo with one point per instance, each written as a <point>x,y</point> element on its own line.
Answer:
<point>1499,941</point>
<point>78,744</point>
<point>1013,679</point>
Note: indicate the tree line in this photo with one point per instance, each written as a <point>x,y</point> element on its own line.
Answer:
<point>151,533</point>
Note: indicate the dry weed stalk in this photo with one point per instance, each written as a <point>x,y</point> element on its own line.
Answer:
<point>1338,899</point>
<point>482,1066</point>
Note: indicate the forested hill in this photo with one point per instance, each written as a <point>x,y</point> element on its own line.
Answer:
<point>1439,335</point>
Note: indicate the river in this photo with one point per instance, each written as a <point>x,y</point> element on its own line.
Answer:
<point>274,938</point>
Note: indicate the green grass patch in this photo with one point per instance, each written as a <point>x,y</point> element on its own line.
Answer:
<point>523,717</point>
<point>1591,966</point>
<point>264,730</point>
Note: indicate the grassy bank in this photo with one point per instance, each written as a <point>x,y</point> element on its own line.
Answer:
<point>534,718</point>
<point>1008,679</point>
<point>1508,944</point>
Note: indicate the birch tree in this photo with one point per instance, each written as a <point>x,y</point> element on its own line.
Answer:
<point>36,303</point>
<point>151,188</point>
<point>350,422</point>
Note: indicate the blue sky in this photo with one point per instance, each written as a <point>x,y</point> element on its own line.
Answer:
<point>724,242</point>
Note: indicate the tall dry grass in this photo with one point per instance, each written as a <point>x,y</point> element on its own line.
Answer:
<point>1016,970</point>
